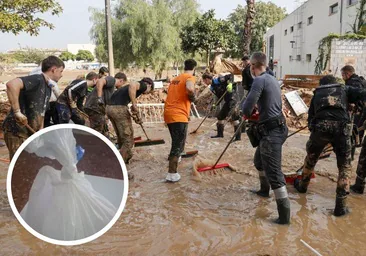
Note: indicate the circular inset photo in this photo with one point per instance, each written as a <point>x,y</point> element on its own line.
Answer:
<point>67,184</point>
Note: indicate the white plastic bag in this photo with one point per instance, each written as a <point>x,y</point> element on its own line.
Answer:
<point>62,204</point>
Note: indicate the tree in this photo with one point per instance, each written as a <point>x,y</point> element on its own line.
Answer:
<point>84,55</point>
<point>145,33</point>
<point>29,55</point>
<point>65,56</point>
<point>359,26</point>
<point>20,15</point>
<point>247,36</point>
<point>207,34</point>
<point>266,15</point>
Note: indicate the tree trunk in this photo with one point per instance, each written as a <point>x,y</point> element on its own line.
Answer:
<point>208,59</point>
<point>248,27</point>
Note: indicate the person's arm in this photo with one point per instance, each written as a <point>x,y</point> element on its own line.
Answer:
<point>355,95</point>
<point>253,97</point>
<point>100,85</point>
<point>190,90</point>
<point>13,88</point>
<point>133,88</point>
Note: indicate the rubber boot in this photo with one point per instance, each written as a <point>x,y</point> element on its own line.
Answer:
<point>341,206</point>
<point>284,212</point>
<point>299,186</point>
<point>359,186</point>
<point>264,189</point>
<point>238,133</point>
<point>220,131</point>
<point>173,175</point>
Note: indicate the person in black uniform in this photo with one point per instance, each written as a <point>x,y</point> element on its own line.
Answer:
<point>329,122</point>
<point>220,86</point>
<point>353,80</point>
<point>71,100</point>
<point>270,134</point>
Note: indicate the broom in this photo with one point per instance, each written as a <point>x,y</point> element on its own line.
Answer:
<point>209,112</point>
<point>222,166</point>
<point>290,177</point>
<point>148,141</point>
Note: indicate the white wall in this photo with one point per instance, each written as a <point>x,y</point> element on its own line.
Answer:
<point>307,38</point>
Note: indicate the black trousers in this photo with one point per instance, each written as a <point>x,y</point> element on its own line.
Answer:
<point>225,111</point>
<point>268,156</point>
<point>178,133</point>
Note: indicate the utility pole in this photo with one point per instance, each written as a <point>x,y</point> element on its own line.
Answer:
<point>109,37</point>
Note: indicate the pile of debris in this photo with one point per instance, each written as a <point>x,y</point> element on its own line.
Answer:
<point>294,120</point>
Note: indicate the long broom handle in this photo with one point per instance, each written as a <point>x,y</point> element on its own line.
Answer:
<point>30,129</point>
<point>232,110</point>
<point>301,129</point>
<point>232,138</point>
<point>218,102</point>
<point>142,127</point>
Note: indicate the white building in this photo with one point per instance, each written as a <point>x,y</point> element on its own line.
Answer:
<point>293,43</point>
<point>74,48</point>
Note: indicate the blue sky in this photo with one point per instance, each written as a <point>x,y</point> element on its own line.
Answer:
<point>73,25</point>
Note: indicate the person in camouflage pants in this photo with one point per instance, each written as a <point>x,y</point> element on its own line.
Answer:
<point>359,185</point>
<point>329,123</point>
<point>122,124</point>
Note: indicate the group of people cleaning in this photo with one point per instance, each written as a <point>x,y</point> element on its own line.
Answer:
<point>100,95</point>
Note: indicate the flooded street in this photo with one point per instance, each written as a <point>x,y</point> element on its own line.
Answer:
<point>216,215</point>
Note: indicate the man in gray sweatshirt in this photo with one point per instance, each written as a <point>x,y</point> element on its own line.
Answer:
<point>270,132</point>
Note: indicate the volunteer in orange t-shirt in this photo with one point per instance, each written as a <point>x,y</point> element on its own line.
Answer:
<point>181,93</point>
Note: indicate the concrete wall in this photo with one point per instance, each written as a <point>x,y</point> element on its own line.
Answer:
<point>348,52</point>
<point>305,40</point>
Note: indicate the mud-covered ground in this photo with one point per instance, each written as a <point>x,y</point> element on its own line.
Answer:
<point>216,215</point>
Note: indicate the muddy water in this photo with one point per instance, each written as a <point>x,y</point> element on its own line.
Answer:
<point>216,215</point>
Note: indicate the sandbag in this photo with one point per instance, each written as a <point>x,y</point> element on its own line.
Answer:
<point>62,203</point>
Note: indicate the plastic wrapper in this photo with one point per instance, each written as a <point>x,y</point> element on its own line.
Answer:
<point>62,203</point>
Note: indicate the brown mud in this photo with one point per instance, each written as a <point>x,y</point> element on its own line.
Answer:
<point>215,215</point>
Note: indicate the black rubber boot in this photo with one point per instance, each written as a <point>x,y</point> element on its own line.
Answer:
<point>341,206</point>
<point>264,189</point>
<point>220,131</point>
<point>173,164</point>
<point>299,187</point>
<point>284,212</point>
<point>238,133</point>
<point>359,186</point>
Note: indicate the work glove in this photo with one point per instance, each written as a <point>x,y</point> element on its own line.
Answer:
<point>134,110</point>
<point>192,98</point>
<point>229,88</point>
<point>73,104</point>
<point>137,119</point>
<point>20,118</point>
<point>100,101</point>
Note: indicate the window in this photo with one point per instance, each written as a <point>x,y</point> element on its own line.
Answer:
<point>285,32</point>
<point>308,57</point>
<point>333,9</point>
<point>292,29</point>
<point>299,25</point>
<point>290,58</point>
<point>298,57</point>
<point>352,2</point>
<point>310,20</point>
